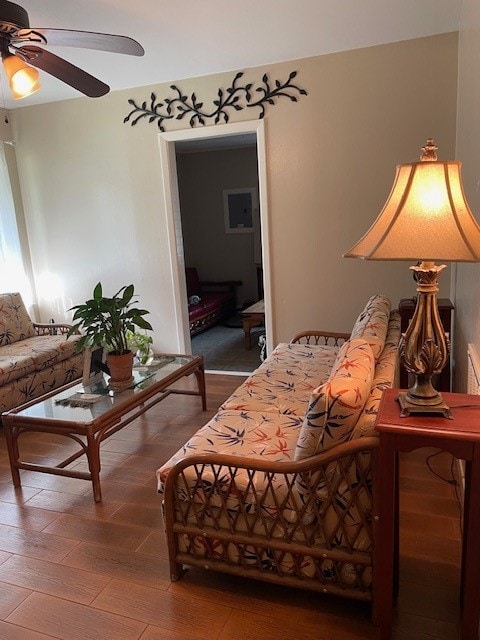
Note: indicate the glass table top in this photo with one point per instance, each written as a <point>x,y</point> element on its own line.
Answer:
<point>79,403</point>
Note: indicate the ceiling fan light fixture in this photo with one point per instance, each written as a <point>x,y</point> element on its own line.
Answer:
<point>23,79</point>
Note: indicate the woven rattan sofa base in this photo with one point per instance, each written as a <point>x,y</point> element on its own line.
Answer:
<point>283,538</point>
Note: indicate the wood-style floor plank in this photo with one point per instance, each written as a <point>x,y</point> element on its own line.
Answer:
<point>179,613</point>
<point>71,621</point>
<point>53,579</point>
<point>71,569</point>
<point>10,631</point>
<point>118,563</point>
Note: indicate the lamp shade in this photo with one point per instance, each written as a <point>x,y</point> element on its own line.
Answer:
<point>23,79</point>
<point>425,217</point>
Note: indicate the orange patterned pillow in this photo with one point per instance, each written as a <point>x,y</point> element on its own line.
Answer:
<point>335,406</point>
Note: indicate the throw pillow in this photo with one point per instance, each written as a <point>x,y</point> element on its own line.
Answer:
<point>335,406</point>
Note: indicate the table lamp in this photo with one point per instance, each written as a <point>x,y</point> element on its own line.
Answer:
<point>426,218</point>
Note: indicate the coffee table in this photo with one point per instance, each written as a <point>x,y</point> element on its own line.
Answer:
<point>89,415</point>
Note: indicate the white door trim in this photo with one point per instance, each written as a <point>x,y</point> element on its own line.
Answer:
<point>167,142</point>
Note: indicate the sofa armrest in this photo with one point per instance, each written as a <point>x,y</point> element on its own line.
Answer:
<point>313,463</point>
<point>51,328</point>
<point>313,336</point>
<point>210,480</point>
<point>235,513</point>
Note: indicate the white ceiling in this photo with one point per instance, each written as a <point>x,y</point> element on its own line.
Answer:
<point>188,38</point>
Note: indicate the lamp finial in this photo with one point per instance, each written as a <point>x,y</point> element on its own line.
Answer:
<point>429,151</point>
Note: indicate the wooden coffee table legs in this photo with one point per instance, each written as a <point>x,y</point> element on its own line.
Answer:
<point>90,448</point>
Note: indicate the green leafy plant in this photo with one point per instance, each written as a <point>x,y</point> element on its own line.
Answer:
<point>142,345</point>
<point>108,321</point>
<point>140,341</point>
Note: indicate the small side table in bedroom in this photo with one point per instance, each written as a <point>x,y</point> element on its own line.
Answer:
<point>253,316</point>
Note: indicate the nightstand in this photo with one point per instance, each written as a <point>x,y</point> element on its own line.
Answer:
<point>460,437</point>
<point>406,308</point>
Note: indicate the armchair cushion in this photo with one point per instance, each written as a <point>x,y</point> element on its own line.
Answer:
<point>34,354</point>
<point>15,323</point>
<point>335,406</point>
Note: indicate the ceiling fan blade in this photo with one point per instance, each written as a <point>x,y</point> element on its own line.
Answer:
<point>84,39</point>
<point>63,70</point>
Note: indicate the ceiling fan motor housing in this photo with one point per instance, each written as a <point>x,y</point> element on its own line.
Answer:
<point>12,17</point>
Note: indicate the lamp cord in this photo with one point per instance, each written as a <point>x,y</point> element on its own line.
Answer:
<point>451,481</point>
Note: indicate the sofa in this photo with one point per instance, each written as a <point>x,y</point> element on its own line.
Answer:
<point>279,485</point>
<point>208,302</point>
<point>34,358</point>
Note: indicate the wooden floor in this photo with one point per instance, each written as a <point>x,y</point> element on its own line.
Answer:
<point>76,570</point>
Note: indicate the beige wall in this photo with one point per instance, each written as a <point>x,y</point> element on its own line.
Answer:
<point>93,196</point>
<point>467,292</point>
<point>218,255</point>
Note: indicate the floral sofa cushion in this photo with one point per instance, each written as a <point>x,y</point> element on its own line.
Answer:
<point>15,323</point>
<point>285,381</point>
<point>13,367</point>
<point>372,323</point>
<point>261,436</point>
<point>36,353</point>
<point>253,434</point>
<point>40,381</point>
<point>335,406</point>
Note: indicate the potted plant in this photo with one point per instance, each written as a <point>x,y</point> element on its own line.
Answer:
<point>142,345</point>
<point>107,322</point>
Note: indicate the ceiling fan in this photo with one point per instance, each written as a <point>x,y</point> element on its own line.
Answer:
<point>19,49</point>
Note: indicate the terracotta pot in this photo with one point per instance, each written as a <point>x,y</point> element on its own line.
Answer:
<point>120,366</point>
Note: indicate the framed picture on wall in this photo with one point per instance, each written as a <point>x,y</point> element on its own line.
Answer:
<point>239,207</point>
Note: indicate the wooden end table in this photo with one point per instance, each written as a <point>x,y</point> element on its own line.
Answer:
<point>460,437</point>
<point>253,316</point>
<point>92,422</point>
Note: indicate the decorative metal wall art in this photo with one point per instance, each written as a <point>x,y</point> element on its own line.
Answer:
<point>236,96</point>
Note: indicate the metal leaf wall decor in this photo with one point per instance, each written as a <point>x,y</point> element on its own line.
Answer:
<point>237,96</point>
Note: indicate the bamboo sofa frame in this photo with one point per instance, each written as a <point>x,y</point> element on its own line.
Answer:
<point>250,564</point>
<point>271,535</point>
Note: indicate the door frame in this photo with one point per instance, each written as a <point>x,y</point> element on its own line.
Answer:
<point>167,142</point>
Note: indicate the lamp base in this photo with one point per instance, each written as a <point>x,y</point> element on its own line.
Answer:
<point>409,408</point>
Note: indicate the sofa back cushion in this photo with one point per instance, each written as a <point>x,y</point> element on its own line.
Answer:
<point>335,406</point>
<point>15,323</point>
<point>385,377</point>
<point>372,323</point>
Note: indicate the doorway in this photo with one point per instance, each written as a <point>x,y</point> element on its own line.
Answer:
<point>237,135</point>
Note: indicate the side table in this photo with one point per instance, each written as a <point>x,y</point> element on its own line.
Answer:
<point>460,437</point>
<point>253,316</point>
